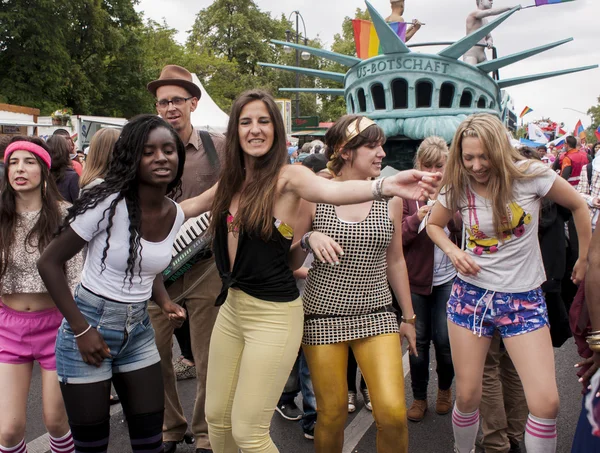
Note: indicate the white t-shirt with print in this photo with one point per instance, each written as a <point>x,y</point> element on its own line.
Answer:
<point>113,282</point>
<point>513,264</point>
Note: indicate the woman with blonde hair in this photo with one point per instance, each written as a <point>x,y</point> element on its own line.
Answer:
<point>498,193</point>
<point>98,157</point>
<point>431,274</point>
<point>348,306</point>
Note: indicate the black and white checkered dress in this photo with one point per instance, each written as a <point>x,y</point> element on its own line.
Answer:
<point>351,300</point>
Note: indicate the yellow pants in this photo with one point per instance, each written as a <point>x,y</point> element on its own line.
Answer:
<point>380,361</point>
<point>252,350</point>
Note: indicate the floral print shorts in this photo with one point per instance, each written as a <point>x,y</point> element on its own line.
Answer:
<point>483,311</point>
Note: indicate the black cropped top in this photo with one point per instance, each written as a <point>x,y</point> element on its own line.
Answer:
<point>261,267</point>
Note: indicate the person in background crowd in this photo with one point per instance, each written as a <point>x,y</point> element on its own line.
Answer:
<point>30,213</point>
<point>498,193</point>
<point>293,154</point>
<point>80,158</point>
<point>259,327</point>
<point>177,96</point>
<point>73,150</point>
<point>573,162</point>
<point>430,273</point>
<point>67,180</point>
<point>98,158</point>
<point>4,141</point>
<point>348,305</point>
<point>106,334</point>
<point>589,185</point>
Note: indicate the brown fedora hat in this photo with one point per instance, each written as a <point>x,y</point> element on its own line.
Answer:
<point>175,75</point>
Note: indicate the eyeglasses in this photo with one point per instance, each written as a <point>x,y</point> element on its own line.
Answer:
<point>176,101</point>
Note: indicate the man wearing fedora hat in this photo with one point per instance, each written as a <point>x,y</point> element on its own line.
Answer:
<point>177,97</point>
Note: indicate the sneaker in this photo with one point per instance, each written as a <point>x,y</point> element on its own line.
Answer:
<point>443,405</point>
<point>417,410</point>
<point>351,402</point>
<point>367,398</point>
<point>289,411</point>
<point>309,433</point>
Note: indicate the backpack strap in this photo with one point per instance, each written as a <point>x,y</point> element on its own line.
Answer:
<point>211,151</point>
<point>589,169</point>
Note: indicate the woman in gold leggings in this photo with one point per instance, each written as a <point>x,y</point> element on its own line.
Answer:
<point>347,301</point>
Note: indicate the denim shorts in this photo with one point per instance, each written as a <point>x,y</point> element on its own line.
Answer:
<point>126,329</point>
<point>483,311</point>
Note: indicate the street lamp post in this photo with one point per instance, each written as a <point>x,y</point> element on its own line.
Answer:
<point>305,55</point>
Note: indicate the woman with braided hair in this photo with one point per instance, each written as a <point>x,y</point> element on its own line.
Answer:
<point>106,335</point>
<point>348,305</point>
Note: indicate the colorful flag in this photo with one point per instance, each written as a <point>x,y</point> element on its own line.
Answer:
<point>366,39</point>
<point>579,130</point>
<point>597,132</point>
<point>525,111</point>
<point>74,137</point>
<point>550,2</point>
<point>559,131</point>
<point>559,142</point>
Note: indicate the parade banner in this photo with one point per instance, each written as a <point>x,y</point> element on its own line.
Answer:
<point>550,2</point>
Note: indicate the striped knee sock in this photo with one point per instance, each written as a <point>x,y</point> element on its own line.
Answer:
<point>465,427</point>
<point>19,448</point>
<point>540,435</point>
<point>145,432</point>
<point>62,444</point>
<point>91,438</point>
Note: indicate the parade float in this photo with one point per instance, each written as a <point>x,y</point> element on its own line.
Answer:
<point>412,95</point>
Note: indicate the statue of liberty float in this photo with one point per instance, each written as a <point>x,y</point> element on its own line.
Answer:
<point>412,95</point>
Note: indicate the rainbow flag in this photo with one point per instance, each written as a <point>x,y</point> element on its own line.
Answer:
<point>366,39</point>
<point>597,132</point>
<point>579,130</point>
<point>550,2</point>
<point>525,111</point>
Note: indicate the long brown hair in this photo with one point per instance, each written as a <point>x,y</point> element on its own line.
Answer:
<point>255,212</point>
<point>50,215</point>
<point>99,155</point>
<point>60,150</point>
<point>503,171</point>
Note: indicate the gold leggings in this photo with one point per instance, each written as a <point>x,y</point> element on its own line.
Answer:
<point>380,361</point>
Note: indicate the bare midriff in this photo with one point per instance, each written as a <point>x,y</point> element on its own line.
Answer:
<point>28,302</point>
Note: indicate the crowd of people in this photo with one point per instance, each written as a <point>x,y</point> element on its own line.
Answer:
<point>315,270</point>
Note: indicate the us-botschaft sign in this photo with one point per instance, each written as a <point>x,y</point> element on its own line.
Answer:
<point>404,63</point>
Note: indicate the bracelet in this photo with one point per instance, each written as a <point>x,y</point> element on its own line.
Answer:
<point>83,333</point>
<point>304,244</point>
<point>412,320</point>
<point>594,347</point>
<point>377,190</point>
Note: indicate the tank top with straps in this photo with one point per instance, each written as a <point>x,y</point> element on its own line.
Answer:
<point>351,300</point>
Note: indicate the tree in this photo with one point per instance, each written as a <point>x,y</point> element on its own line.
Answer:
<point>594,112</point>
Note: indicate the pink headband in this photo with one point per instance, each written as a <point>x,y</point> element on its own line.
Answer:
<point>32,148</point>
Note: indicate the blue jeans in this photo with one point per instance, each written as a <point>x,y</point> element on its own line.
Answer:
<point>299,380</point>
<point>126,329</point>
<point>431,325</point>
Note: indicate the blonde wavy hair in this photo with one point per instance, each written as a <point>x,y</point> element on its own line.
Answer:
<point>503,169</point>
<point>431,151</point>
<point>99,155</point>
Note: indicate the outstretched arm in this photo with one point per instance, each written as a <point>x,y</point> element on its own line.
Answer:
<point>193,207</point>
<point>482,14</point>
<point>411,184</point>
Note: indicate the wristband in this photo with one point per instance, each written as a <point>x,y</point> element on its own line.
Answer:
<point>83,333</point>
<point>304,244</point>
<point>412,320</point>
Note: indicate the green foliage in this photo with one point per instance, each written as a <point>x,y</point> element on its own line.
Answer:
<point>95,57</point>
<point>594,112</point>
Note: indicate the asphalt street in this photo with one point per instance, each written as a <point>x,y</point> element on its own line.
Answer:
<point>433,435</point>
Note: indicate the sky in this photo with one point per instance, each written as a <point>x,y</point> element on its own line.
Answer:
<point>563,99</point>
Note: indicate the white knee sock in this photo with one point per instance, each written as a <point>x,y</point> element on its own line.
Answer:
<point>465,428</point>
<point>540,435</point>
<point>19,448</point>
<point>62,444</point>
